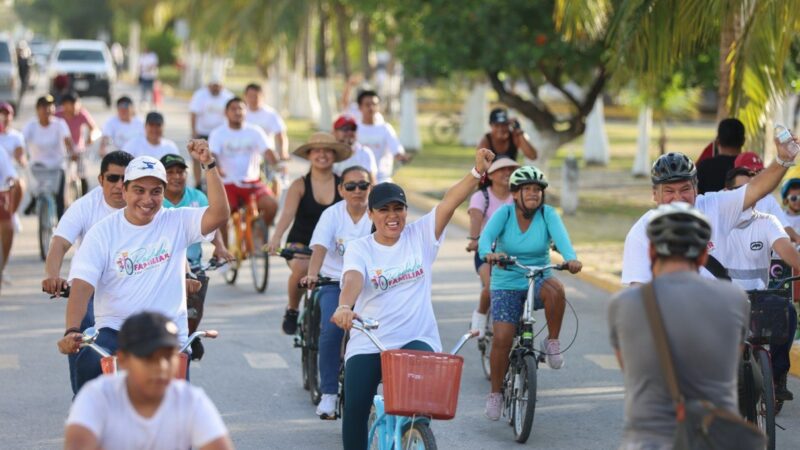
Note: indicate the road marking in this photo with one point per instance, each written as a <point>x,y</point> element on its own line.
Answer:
<point>9,362</point>
<point>608,362</point>
<point>266,361</point>
<point>599,390</point>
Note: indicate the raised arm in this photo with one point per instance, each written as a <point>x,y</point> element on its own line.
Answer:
<point>769,178</point>
<point>218,209</point>
<point>461,190</point>
<point>522,143</point>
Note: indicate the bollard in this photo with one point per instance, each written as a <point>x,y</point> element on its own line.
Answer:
<point>569,185</point>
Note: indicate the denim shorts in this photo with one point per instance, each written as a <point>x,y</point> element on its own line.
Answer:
<point>507,304</point>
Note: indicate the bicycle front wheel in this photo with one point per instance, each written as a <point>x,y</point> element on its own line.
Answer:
<point>418,435</point>
<point>232,270</point>
<point>259,258</point>
<point>523,401</point>
<point>485,347</point>
<point>312,343</point>
<point>766,406</point>
<point>47,223</point>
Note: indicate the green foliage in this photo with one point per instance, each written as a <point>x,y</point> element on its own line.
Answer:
<point>83,19</point>
<point>165,44</point>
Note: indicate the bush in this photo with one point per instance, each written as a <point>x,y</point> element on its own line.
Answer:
<point>165,44</point>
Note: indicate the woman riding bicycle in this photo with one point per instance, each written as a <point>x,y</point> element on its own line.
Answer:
<point>337,226</point>
<point>387,277</point>
<point>482,205</point>
<point>306,199</point>
<point>524,230</point>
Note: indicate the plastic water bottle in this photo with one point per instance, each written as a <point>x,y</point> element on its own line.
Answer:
<point>786,139</point>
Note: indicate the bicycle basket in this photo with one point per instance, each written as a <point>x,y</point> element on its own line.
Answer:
<point>769,318</point>
<point>421,383</point>
<point>47,180</point>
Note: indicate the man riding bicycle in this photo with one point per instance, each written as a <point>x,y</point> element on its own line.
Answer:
<point>524,230</point>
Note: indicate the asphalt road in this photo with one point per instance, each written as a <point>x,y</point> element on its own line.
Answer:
<point>252,372</point>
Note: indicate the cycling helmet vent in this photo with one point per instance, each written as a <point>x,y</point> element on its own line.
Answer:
<point>673,167</point>
<point>679,229</point>
<point>527,175</point>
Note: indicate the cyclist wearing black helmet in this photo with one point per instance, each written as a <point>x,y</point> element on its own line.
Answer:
<point>695,311</point>
<point>674,178</point>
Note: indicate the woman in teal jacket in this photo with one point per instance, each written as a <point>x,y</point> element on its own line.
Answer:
<point>524,229</point>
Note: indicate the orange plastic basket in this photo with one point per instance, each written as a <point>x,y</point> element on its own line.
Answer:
<point>421,383</point>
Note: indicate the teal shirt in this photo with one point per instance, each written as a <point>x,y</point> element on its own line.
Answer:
<point>192,198</point>
<point>531,248</point>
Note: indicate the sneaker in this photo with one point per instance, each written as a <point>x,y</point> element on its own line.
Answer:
<point>478,323</point>
<point>290,321</point>
<point>494,405</point>
<point>782,393</point>
<point>327,406</point>
<point>17,223</point>
<point>552,350</point>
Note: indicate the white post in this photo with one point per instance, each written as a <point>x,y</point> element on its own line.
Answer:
<point>641,164</point>
<point>595,146</point>
<point>409,131</point>
<point>569,185</point>
<point>327,104</point>
<point>474,116</point>
<point>312,97</point>
<point>297,105</point>
<point>134,35</point>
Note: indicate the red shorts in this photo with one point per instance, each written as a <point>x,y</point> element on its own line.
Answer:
<point>240,195</point>
<point>5,205</point>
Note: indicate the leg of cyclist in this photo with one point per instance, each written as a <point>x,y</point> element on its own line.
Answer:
<point>781,360</point>
<point>299,268</point>
<point>507,308</point>
<point>479,315</point>
<point>330,340</point>
<point>88,361</point>
<point>60,195</point>
<point>267,206</point>
<point>550,293</point>
<point>86,322</point>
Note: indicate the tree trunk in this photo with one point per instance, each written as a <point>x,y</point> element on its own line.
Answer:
<point>728,35</point>
<point>409,130</point>
<point>474,116</point>
<point>342,35</point>
<point>366,44</point>
<point>641,164</point>
<point>596,147</point>
<point>322,43</point>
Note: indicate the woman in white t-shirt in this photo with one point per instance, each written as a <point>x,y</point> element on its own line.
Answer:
<point>387,277</point>
<point>337,226</point>
<point>482,205</point>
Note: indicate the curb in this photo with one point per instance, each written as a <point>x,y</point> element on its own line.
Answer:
<point>794,360</point>
<point>597,279</point>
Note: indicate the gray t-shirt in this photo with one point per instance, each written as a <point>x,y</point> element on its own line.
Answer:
<point>705,321</point>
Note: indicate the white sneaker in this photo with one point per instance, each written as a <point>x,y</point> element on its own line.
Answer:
<point>552,350</point>
<point>17,223</point>
<point>478,323</point>
<point>494,406</point>
<point>327,405</point>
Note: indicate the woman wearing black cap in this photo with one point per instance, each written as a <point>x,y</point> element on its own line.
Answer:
<point>387,276</point>
<point>506,137</point>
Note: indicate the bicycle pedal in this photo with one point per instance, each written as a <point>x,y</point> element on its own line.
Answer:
<point>328,417</point>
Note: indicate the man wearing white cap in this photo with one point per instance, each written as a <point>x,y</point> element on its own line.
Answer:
<point>207,109</point>
<point>135,259</point>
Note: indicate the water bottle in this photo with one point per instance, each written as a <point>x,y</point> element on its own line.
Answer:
<point>786,139</point>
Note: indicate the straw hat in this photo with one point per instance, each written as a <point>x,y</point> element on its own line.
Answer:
<point>324,140</point>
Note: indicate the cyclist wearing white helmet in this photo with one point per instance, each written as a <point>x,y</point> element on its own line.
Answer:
<point>524,230</point>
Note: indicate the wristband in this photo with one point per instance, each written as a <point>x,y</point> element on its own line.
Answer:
<point>210,165</point>
<point>473,238</point>
<point>72,330</point>
<point>476,174</point>
<point>783,163</point>
<point>343,306</point>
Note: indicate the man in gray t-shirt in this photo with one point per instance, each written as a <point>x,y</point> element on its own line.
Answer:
<point>705,321</point>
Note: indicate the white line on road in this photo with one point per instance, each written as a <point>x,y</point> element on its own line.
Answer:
<point>266,361</point>
<point>9,362</point>
<point>581,391</point>
<point>608,362</point>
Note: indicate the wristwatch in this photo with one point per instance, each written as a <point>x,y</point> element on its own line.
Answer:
<point>783,163</point>
<point>210,165</point>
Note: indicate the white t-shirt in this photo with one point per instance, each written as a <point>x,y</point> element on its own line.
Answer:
<point>240,152</point>
<point>83,215</point>
<point>185,419</point>
<point>362,156</point>
<point>793,221</point>
<point>334,230</point>
<point>722,210</point>
<point>148,66</point>
<point>210,110</point>
<point>140,146</point>
<point>397,287</point>
<point>769,205</point>
<point>384,143</point>
<point>12,139</point>
<point>269,120</point>
<point>139,268</point>
<point>748,249</point>
<point>7,170</point>
<point>120,133</point>
<point>46,144</point>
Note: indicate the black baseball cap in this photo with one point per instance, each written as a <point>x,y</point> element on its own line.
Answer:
<point>124,102</point>
<point>385,193</point>
<point>143,333</point>
<point>498,115</point>
<point>45,100</point>
<point>172,160</point>
<point>154,118</point>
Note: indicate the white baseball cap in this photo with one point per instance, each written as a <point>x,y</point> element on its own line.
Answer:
<point>145,166</point>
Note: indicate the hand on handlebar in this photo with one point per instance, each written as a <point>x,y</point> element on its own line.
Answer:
<point>273,245</point>
<point>222,254</point>
<point>573,266</point>
<point>309,281</point>
<point>343,318</point>
<point>54,286</point>
<point>193,286</point>
<point>71,343</point>
<point>472,246</point>
<point>494,258</point>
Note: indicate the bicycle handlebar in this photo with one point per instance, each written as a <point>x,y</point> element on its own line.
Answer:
<point>783,281</point>
<point>290,253</point>
<point>63,293</point>
<point>321,281</point>
<point>211,334</point>
<point>506,261</point>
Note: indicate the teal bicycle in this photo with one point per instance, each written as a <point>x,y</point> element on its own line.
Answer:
<point>418,387</point>
<point>47,183</point>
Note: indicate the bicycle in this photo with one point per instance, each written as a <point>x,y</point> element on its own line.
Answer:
<point>445,127</point>
<point>250,234</point>
<point>307,338</point>
<point>485,346</point>
<point>411,429</point>
<point>195,302</point>
<point>520,381</point>
<point>47,187</point>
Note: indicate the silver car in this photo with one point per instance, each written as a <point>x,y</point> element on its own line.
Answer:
<point>9,74</point>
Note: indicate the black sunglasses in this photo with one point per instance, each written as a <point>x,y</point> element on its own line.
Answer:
<point>351,186</point>
<point>113,178</point>
<point>793,198</point>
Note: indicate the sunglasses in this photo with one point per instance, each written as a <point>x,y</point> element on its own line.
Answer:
<point>793,198</point>
<point>361,185</point>
<point>347,128</point>
<point>113,178</point>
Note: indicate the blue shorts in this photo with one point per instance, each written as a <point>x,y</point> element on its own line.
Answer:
<point>507,304</point>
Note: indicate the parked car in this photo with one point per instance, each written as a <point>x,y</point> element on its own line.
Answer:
<point>86,64</point>
<point>9,73</point>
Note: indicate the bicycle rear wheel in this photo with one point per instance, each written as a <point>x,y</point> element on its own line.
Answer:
<point>312,343</point>
<point>766,406</point>
<point>418,435</point>
<point>47,223</point>
<point>523,400</point>
<point>259,258</point>
<point>485,347</point>
<point>233,267</point>
<point>443,129</point>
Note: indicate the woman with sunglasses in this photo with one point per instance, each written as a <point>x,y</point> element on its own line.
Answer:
<point>305,201</point>
<point>337,226</point>
<point>387,276</point>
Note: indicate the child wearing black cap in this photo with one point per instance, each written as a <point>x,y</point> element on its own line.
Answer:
<point>145,407</point>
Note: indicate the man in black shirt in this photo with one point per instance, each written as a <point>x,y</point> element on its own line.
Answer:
<point>711,172</point>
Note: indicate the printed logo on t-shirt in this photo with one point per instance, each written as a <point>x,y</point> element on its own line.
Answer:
<point>384,279</point>
<point>243,144</point>
<point>756,246</point>
<point>340,247</point>
<point>134,262</point>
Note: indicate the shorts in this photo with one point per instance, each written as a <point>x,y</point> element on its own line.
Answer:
<point>5,205</point>
<point>507,304</point>
<point>240,195</point>
<point>478,262</point>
